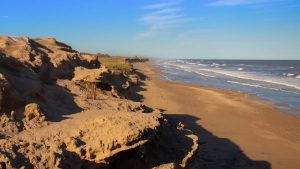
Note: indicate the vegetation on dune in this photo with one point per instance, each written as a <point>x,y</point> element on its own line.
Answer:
<point>121,64</point>
<point>115,63</point>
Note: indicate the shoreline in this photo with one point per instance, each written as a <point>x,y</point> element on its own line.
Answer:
<point>278,107</point>
<point>186,71</point>
<point>230,124</point>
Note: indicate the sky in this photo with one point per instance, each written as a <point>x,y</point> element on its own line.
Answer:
<point>197,29</point>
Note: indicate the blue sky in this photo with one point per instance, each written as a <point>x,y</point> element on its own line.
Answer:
<point>204,29</point>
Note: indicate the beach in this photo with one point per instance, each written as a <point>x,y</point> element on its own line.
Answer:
<point>61,108</point>
<point>234,129</point>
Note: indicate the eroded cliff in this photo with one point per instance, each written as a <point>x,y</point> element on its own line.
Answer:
<point>63,109</point>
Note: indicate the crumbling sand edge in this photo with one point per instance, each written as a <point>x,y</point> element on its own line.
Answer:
<point>43,77</point>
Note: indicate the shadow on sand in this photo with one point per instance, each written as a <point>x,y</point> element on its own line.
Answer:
<point>136,89</point>
<point>215,152</point>
<point>134,92</point>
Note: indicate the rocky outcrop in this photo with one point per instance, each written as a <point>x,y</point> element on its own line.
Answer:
<point>43,82</point>
<point>122,140</point>
<point>29,69</point>
<point>103,79</point>
<point>48,58</point>
<point>106,136</point>
<point>33,112</point>
<point>7,92</point>
<point>93,144</point>
<point>33,116</point>
<point>91,75</point>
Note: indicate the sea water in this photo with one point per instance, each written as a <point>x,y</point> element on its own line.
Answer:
<point>273,80</point>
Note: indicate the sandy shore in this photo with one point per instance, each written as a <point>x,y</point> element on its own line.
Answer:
<point>230,125</point>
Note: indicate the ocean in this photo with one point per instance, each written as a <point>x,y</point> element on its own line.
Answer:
<point>277,81</point>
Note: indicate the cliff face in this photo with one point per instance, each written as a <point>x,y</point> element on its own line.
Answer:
<point>63,109</point>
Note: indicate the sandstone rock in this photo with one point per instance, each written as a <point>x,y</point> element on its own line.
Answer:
<point>33,117</point>
<point>110,141</point>
<point>33,112</point>
<point>103,78</point>
<point>82,74</point>
<point>100,143</point>
<point>8,96</point>
<point>107,136</point>
<point>8,126</point>
<point>92,60</point>
<point>23,154</point>
<point>45,73</point>
<point>49,58</point>
<point>3,84</point>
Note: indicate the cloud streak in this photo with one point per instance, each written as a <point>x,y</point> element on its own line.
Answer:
<point>161,17</point>
<point>241,2</point>
<point>160,5</point>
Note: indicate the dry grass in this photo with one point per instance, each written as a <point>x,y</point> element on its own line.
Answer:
<point>116,63</point>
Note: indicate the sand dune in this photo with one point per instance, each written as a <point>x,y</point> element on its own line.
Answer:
<point>60,108</point>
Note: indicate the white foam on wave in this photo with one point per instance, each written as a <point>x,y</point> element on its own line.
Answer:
<point>174,65</point>
<point>204,74</point>
<point>288,74</point>
<point>298,77</point>
<point>202,64</point>
<point>215,65</point>
<point>259,86</point>
<point>180,61</point>
<point>251,85</point>
<point>187,69</point>
<point>240,69</point>
<point>167,78</point>
<point>238,74</point>
<point>244,76</point>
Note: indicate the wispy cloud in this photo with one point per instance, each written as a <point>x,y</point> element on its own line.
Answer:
<point>241,2</point>
<point>4,17</point>
<point>160,5</point>
<point>161,17</point>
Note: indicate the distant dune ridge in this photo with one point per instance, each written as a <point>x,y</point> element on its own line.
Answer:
<point>60,108</point>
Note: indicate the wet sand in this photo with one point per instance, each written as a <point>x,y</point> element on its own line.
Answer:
<point>235,130</point>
